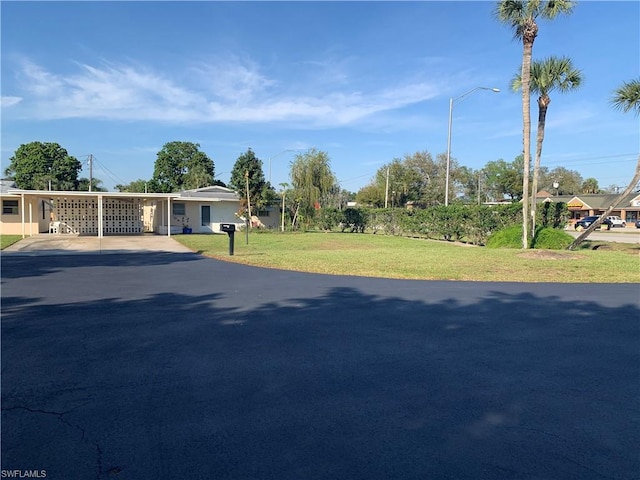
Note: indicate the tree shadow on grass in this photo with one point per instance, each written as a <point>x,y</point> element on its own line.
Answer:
<point>340,383</point>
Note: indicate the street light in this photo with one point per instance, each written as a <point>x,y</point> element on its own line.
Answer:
<point>451,100</point>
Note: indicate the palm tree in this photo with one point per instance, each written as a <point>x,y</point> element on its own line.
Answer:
<point>627,97</point>
<point>521,16</point>
<point>548,75</point>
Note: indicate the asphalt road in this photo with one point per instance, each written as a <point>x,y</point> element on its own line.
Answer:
<point>620,235</point>
<point>165,366</point>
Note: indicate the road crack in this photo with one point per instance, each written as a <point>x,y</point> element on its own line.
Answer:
<point>64,421</point>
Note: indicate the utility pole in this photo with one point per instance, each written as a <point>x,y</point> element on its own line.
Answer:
<point>386,190</point>
<point>246,176</point>
<point>90,160</point>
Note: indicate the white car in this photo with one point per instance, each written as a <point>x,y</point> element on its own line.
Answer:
<point>617,222</point>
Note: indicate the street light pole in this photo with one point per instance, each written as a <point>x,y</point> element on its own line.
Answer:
<point>451,100</point>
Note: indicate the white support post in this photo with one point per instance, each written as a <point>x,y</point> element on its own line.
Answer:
<point>168,216</point>
<point>100,217</point>
<point>31,219</point>
<point>22,213</point>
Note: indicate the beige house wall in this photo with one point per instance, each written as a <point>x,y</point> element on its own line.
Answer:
<point>36,216</point>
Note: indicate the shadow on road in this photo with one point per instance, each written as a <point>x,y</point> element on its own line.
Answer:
<point>338,384</point>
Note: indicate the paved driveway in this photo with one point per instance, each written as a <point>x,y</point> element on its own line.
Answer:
<point>171,365</point>
<point>47,244</point>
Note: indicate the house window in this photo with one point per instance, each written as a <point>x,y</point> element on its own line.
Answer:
<point>10,207</point>
<point>179,209</point>
<point>263,213</point>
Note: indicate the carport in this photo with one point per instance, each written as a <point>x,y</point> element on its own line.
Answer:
<point>92,213</point>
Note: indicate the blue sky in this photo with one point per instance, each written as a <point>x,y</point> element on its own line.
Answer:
<point>366,82</point>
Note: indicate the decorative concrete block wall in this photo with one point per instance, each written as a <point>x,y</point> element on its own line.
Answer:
<point>80,215</point>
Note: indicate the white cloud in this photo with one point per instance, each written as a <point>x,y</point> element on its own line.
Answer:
<point>9,101</point>
<point>232,91</point>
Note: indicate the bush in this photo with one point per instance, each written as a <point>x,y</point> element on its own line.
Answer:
<point>545,238</point>
<point>551,239</point>
<point>510,237</point>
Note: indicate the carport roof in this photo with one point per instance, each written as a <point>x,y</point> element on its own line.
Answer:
<point>67,193</point>
<point>207,194</point>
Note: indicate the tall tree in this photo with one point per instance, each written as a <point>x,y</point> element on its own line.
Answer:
<point>416,177</point>
<point>548,75</point>
<point>590,185</point>
<point>569,181</point>
<point>626,98</point>
<point>181,165</point>
<point>371,194</point>
<point>38,166</point>
<point>313,181</point>
<point>521,16</point>
<point>504,178</point>
<point>248,166</point>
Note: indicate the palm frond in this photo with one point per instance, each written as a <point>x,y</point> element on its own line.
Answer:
<point>627,97</point>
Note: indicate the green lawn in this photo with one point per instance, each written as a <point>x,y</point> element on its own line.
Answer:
<point>6,240</point>
<point>398,257</point>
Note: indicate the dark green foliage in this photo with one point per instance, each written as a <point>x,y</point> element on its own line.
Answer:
<point>37,165</point>
<point>554,215</point>
<point>181,166</point>
<point>140,186</point>
<point>456,222</point>
<point>497,226</point>
<point>82,185</point>
<point>328,218</point>
<point>551,239</point>
<point>261,193</point>
<point>354,219</point>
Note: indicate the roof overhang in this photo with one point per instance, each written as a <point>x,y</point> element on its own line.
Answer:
<point>66,193</point>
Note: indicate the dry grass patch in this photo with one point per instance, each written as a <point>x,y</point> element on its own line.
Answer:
<point>550,255</point>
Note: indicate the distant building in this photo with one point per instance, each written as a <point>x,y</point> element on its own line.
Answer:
<point>583,205</point>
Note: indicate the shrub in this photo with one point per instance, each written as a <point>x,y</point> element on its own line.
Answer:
<point>510,237</point>
<point>545,238</point>
<point>551,239</point>
<point>354,219</point>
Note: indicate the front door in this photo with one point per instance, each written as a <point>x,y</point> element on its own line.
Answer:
<point>205,218</point>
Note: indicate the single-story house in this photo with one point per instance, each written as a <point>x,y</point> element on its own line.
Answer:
<point>30,212</point>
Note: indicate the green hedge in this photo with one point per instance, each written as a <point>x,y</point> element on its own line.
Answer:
<point>469,223</point>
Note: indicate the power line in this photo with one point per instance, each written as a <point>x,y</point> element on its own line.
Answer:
<point>109,173</point>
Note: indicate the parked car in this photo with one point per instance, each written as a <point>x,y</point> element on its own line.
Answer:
<point>587,221</point>
<point>617,221</point>
<point>637,223</point>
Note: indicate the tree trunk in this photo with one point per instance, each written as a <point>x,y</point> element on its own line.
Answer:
<point>543,104</point>
<point>295,216</point>
<point>582,237</point>
<point>526,137</point>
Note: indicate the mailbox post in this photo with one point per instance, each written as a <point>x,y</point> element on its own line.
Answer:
<point>230,229</point>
